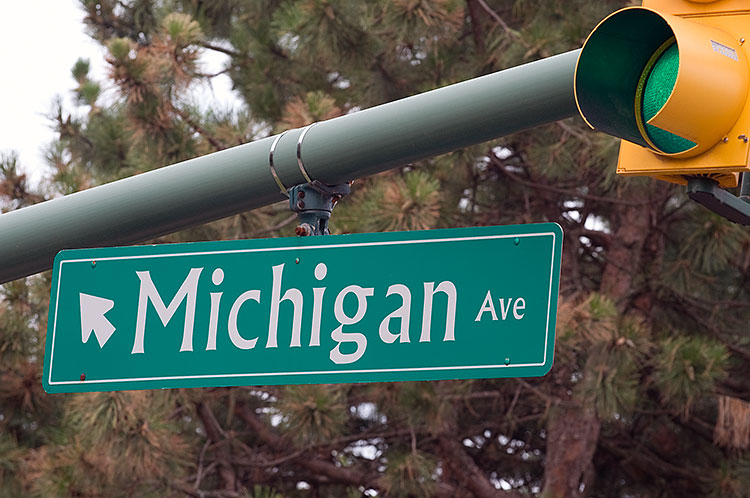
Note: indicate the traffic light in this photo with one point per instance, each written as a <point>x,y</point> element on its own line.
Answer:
<point>671,79</point>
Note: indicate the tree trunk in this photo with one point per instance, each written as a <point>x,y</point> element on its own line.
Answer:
<point>572,436</point>
<point>573,431</point>
<point>624,256</point>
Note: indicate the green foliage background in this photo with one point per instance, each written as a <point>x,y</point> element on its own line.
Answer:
<point>648,396</point>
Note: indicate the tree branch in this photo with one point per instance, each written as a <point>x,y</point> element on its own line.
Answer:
<point>223,50</point>
<point>477,30</point>
<point>550,188</point>
<point>468,475</point>
<point>650,462</point>
<point>198,493</point>
<point>317,465</point>
<point>215,142</point>
<point>494,15</point>
<point>277,226</point>
<point>215,434</point>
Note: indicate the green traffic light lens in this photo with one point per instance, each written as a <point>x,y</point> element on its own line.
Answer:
<point>654,88</point>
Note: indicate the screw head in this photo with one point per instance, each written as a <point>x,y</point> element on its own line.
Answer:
<point>93,264</point>
<point>516,240</point>
<point>507,361</point>
<point>296,261</point>
<point>301,205</point>
<point>83,377</point>
<point>301,194</point>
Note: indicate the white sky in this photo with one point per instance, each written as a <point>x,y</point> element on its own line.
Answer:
<point>40,40</point>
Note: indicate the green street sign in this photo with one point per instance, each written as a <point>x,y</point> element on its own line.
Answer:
<point>438,304</point>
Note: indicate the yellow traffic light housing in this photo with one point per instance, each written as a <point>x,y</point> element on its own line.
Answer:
<point>671,79</point>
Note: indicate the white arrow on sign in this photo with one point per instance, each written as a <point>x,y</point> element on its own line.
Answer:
<point>93,320</point>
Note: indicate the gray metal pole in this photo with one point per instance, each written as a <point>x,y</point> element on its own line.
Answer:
<point>238,179</point>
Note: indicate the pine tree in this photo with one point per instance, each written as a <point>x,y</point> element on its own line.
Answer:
<point>647,394</point>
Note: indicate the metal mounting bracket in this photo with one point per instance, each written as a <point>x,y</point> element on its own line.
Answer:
<point>313,203</point>
<point>707,192</point>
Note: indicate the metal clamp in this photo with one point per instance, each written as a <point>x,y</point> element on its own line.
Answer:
<point>274,173</point>
<point>300,163</point>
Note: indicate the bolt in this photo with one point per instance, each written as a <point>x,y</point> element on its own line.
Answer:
<point>507,361</point>
<point>93,264</point>
<point>743,137</point>
<point>302,230</point>
<point>83,377</point>
<point>301,205</point>
<point>516,241</point>
<point>742,40</point>
<point>725,140</point>
<point>296,261</point>
<point>301,194</point>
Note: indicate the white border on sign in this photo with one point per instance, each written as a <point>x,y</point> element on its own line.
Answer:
<point>316,372</point>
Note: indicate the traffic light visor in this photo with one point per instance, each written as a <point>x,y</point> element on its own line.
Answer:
<point>669,84</point>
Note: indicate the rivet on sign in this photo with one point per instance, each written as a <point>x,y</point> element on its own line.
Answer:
<point>742,40</point>
<point>743,138</point>
<point>296,261</point>
<point>507,361</point>
<point>83,377</point>
<point>725,139</point>
<point>93,264</point>
<point>516,241</point>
